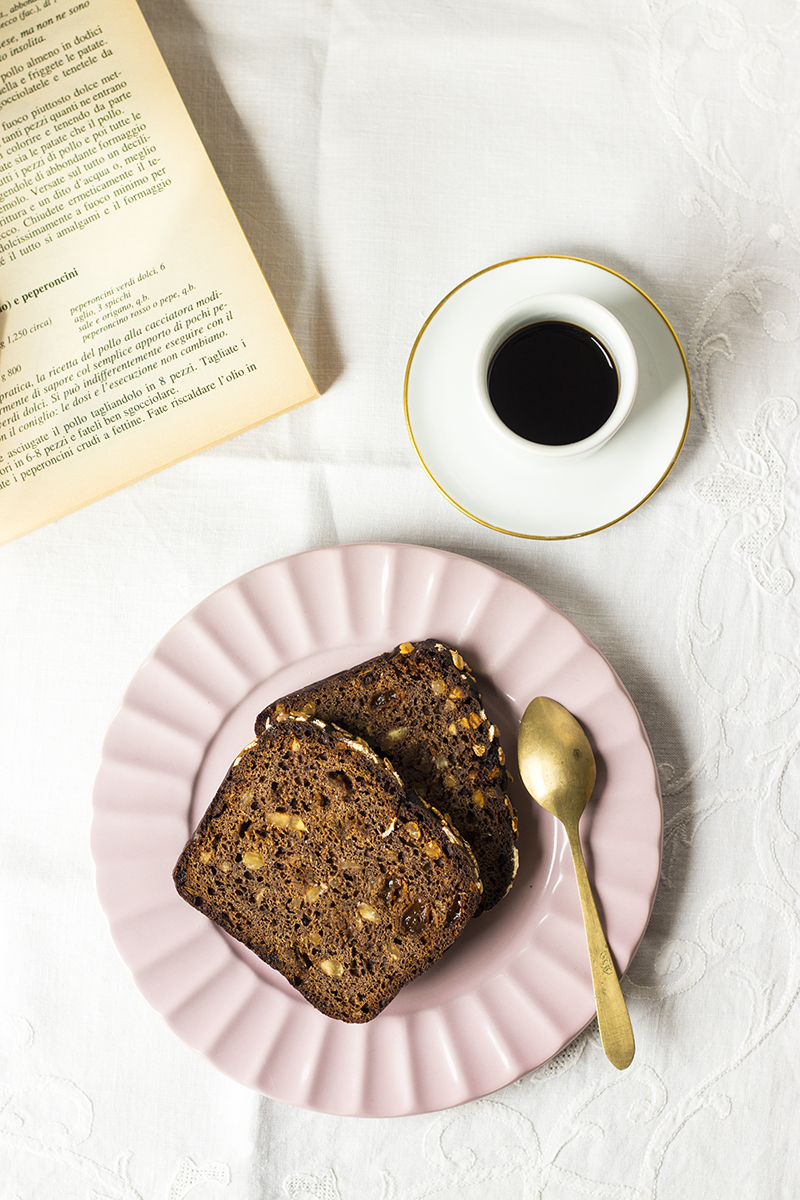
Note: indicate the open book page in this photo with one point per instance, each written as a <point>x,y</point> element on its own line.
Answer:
<point>135,325</point>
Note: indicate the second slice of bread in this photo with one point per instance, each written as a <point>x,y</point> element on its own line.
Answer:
<point>421,707</point>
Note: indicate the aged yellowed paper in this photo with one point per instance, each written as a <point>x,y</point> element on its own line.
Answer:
<point>135,325</point>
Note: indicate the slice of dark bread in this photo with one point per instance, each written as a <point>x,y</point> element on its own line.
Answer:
<point>420,706</point>
<point>313,855</point>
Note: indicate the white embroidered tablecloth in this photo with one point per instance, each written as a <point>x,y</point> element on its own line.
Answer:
<point>377,153</point>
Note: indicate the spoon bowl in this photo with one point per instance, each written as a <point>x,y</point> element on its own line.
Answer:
<point>555,759</point>
<point>557,766</point>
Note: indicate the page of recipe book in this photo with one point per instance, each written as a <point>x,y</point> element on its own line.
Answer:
<point>135,325</point>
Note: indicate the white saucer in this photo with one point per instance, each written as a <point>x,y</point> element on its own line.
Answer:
<point>496,483</point>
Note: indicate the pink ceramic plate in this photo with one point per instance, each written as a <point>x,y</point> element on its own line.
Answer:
<point>516,987</point>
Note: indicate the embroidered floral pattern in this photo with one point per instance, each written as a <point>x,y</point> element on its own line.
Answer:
<point>46,1126</point>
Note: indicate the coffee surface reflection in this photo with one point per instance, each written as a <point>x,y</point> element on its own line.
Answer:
<point>553,383</point>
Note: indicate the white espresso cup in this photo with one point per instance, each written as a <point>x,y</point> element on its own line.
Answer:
<point>560,368</point>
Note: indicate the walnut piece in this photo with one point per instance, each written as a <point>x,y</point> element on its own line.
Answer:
<point>332,967</point>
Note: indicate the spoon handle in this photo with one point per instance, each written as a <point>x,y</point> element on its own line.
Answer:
<point>612,1013</point>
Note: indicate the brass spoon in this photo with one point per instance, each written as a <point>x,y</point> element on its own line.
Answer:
<point>558,769</point>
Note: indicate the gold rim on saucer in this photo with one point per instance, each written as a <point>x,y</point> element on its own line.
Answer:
<point>499,528</point>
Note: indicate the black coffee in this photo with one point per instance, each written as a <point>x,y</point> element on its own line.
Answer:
<point>553,383</point>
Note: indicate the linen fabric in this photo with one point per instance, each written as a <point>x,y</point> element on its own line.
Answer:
<point>377,153</point>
